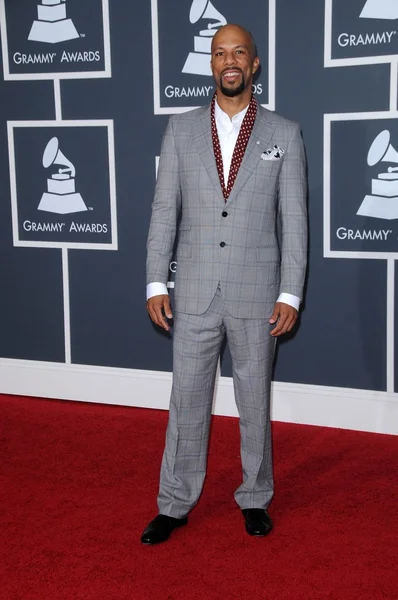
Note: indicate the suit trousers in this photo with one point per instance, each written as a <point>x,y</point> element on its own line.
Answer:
<point>196,349</point>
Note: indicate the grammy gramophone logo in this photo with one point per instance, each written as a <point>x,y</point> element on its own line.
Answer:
<point>61,196</point>
<point>382,203</point>
<point>380,9</point>
<point>198,61</point>
<point>52,24</point>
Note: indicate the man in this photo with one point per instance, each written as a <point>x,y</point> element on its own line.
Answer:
<point>232,175</point>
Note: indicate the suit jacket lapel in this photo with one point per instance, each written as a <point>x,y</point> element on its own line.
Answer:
<point>204,144</point>
<point>259,141</point>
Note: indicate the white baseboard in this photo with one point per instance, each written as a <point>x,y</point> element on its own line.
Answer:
<point>361,410</point>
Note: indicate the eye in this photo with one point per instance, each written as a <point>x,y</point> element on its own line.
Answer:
<point>219,53</point>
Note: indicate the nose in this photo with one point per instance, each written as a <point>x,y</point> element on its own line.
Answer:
<point>230,59</point>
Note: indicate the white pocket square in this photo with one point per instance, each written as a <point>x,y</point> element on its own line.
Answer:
<point>274,153</point>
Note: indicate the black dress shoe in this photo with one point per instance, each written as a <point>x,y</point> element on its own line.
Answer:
<point>257,521</point>
<point>160,528</point>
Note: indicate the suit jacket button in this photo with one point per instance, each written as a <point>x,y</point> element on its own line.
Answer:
<point>222,244</point>
<point>224,213</point>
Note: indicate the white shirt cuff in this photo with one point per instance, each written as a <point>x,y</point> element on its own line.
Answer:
<point>155,289</point>
<point>290,299</point>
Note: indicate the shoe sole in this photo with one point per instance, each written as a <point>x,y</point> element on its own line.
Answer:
<point>259,534</point>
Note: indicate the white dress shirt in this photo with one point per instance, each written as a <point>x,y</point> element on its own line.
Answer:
<point>228,131</point>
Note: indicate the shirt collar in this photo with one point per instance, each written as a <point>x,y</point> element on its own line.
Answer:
<point>237,119</point>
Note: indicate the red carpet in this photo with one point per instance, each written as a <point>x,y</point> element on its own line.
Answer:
<point>78,483</point>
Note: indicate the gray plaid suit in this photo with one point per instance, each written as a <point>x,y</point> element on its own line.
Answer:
<point>233,259</point>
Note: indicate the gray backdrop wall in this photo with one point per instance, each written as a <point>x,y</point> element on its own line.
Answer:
<point>87,88</point>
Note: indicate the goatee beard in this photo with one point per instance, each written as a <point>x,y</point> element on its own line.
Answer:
<point>232,92</point>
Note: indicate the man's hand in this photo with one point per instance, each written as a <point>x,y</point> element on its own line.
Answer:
<point>285,316</point>
<point>158,307</point>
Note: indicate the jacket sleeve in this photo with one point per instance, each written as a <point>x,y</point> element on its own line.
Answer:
<point>293,216</point>
<point>165,210</point>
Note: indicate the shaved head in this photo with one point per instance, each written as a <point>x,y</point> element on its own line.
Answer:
<point>233,29</point>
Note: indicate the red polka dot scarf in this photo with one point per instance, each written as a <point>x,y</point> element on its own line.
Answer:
<point>240,146</point>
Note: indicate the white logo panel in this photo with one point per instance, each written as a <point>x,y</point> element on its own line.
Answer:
<point>361,185</point>
<point>62,176</point>
<point>181,42</point>
<point>360,32</point>
<point>55,39</point>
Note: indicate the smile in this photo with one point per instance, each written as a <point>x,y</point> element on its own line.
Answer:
<point>231,75</point>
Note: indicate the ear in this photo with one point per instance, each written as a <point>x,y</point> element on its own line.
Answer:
<point>256,64</point>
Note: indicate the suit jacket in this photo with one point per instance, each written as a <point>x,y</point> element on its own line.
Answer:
<point>255,244</point>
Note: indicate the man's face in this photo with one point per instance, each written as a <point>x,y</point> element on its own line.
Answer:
<point>233,62</point>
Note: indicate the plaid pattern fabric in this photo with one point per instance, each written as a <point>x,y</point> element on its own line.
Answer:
<point>232,264</point>
<point>197,341</point>
<point>240,146</point>
<point>242,251</point>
